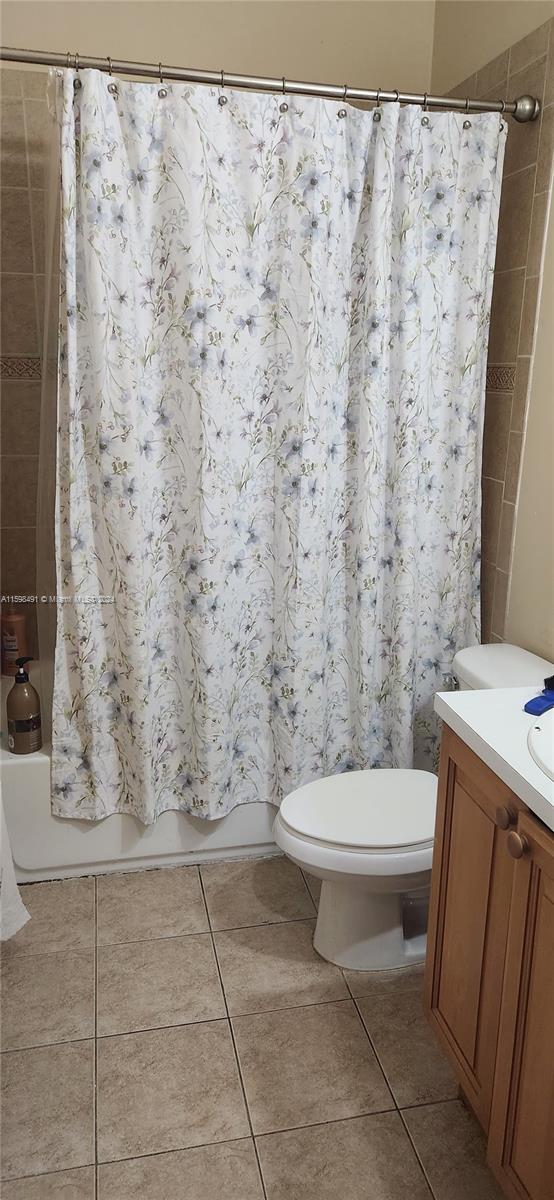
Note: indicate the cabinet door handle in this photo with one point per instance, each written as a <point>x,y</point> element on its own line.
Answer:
<point>505,817</point>
<point>518,844</point>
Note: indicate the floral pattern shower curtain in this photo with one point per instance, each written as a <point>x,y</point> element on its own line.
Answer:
<point>272,372</point>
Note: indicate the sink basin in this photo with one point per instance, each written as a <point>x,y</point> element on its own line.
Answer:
<point>540,741</point>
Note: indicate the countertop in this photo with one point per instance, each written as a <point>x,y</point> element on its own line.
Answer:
<point>493,724</point>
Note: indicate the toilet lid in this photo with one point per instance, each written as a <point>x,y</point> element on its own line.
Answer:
<point>366,810</point>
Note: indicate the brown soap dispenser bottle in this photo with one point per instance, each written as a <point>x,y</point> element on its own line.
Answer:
<point>23,713</point>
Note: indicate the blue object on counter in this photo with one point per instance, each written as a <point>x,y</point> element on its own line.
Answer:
<point>540,704</point>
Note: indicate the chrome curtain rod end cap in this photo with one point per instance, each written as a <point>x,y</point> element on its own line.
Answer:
<point>527,109</point>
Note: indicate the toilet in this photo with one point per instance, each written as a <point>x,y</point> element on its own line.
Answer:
<point>368,836</point>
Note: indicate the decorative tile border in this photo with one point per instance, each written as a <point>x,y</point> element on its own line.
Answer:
<point>19,368</point>
<point>501,378</point>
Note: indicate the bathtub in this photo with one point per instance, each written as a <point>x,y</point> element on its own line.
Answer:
<point>48,847</point>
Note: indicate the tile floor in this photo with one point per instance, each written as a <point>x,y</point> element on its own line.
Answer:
<point>172,1035</point>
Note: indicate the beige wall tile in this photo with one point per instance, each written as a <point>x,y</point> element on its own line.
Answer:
<point>519,399</point>
<point>10,81</point>
<point>37,126</point>
<point>514,222</point>
<point>546,148</point>
<point>20,416</point>
<point>507,300</point>
<point>488,572</point>
<point>466,88</point>
<point>499,603</point>
<point>498,411</point>
<point>35,84</point>
<point>12,141</point>
<point>534,46</point>
<point>537,234</point>
<point>492,74</point>
<point>512,467</point>
<point>15,220</point>
<point>528,316</point>
<point>523,140</point>
<point>549,82</point>
<point>18,565</point>
<point>490,521</point>
<point>18,323</point>
<point>19,489</point>
<point>38,224</point>
<point>505,538</point>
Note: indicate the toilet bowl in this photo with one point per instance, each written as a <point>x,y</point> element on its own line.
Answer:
<point>368,835</point>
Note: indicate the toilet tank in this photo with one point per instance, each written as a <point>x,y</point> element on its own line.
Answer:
<point>499,666</point>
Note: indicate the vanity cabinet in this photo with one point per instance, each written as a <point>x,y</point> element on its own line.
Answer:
<point>521,1138</point>
<point>489,983</point>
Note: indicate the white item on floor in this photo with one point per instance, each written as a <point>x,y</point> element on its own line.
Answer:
<point>368,835</point>
<point>13,914</point>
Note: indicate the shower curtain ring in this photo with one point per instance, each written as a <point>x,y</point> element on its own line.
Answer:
<point>222,78</point>
<point>396,95</point>
<point>67,60</point>
<point>160,72</point>
<point>467,104</point>
<point>345,89</point>
<point>425,101</point>
<point>109,61</point>
<point>76,60</point>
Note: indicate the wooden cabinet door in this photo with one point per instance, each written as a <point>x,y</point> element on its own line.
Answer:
<point>521,1143</point>
<point>468,918</point>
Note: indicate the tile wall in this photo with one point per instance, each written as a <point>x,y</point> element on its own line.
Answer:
<point>527,67</point>
<point>23,166</point>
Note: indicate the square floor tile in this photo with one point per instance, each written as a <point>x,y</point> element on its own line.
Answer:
<point>62,918</point>
<point>366,1158</point>
<point>168,981</point>
<point>167,1090</point>
<point>452,1149</point>
<point>61,1185</point>
<point>47,1109</point>
<point>305,1065</point>
<point>416,1069</point>
<point>389,983</point>
<point>275,966</point>
<point>255,891</point>
<point>47,998</point>
<point>138,905</point>
<point>228,1170</point>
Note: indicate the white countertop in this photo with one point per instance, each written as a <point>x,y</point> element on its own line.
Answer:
<point>493,724</point>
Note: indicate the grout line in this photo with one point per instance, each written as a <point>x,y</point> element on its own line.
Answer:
<point>416,1152</point>
<point>373,1047</point>
<point>235,1051</point>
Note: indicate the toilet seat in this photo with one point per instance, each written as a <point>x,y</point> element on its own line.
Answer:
<point>380,811</point>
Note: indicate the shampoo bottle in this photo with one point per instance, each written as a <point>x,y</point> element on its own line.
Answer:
<point>23,713</point>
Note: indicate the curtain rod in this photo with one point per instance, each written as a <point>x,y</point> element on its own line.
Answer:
<point>524,108</point>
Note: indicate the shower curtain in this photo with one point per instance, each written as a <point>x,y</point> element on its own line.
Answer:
<point>271,383</point>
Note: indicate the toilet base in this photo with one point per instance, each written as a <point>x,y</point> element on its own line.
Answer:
<point>363,930</point>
